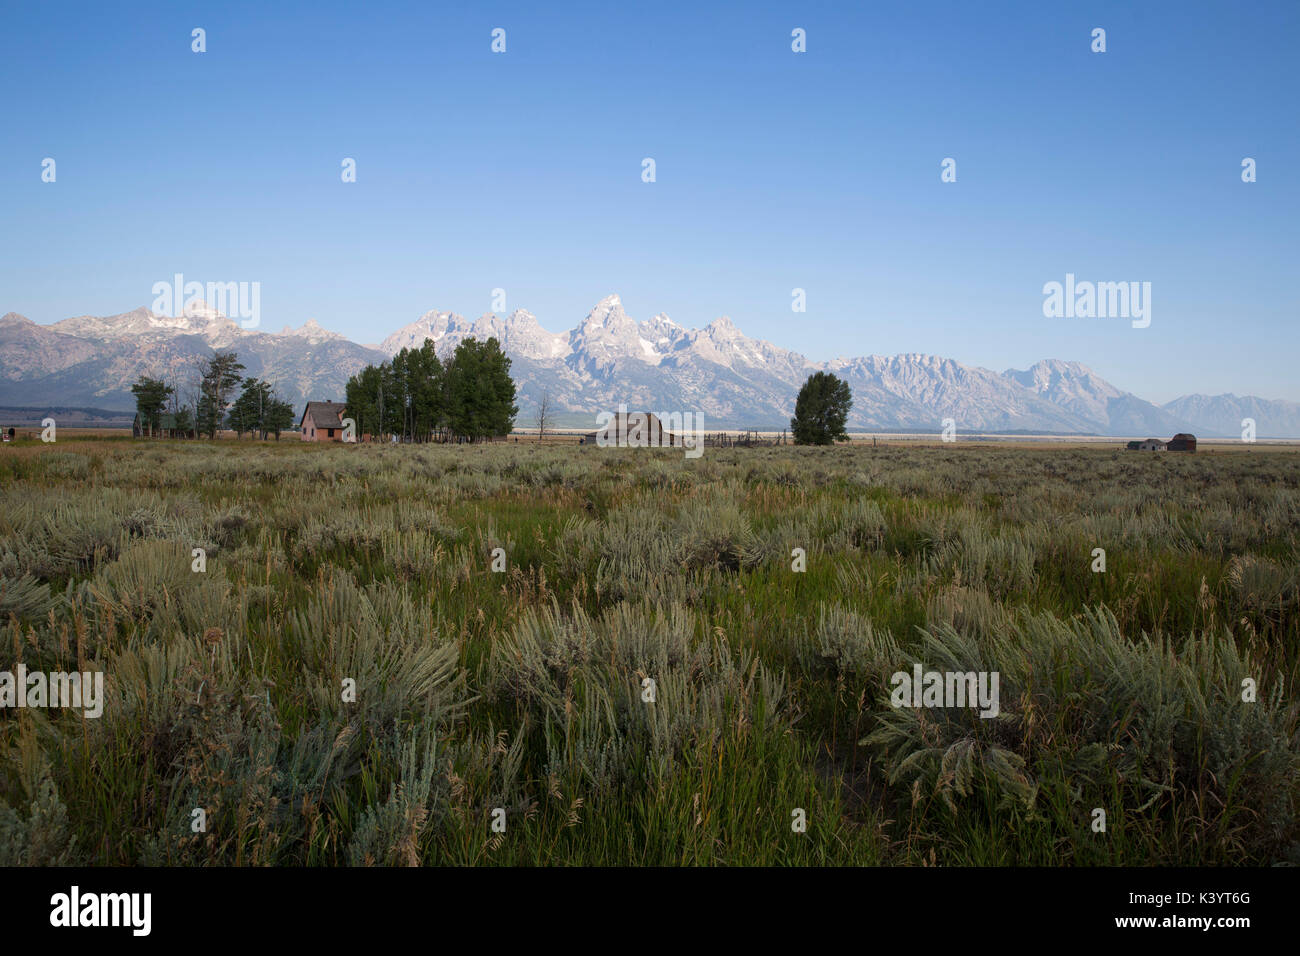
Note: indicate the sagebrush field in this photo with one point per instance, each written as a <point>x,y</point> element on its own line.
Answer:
<point>524,690</point>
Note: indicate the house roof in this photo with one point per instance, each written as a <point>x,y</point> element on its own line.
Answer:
<point>323,414</point>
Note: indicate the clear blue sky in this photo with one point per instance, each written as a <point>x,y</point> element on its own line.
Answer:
<point>775,170</point>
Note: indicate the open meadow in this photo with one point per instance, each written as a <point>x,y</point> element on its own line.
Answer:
<point>667,661</point>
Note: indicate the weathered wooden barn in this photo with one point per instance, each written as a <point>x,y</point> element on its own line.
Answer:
<point>633,430</point>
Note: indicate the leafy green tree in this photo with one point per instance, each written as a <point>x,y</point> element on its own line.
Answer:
<point>419,396</point>
<point>184,421</point>
<point>413,389</point>
<point>150,399</point>
<point>245,414</point>
<point>220,379</point>
<point>259,412</point>
<point>373,401</point>
<point>479,392</point>
<point>420,373</point>
<point>279,418</point>
<point>248,412</point>
<point>821,410</point>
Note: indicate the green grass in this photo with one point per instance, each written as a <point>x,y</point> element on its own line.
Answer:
<point>524,691</point>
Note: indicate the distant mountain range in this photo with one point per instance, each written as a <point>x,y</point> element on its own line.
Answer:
<point>608,359</point>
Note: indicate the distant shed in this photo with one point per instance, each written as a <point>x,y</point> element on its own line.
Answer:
<point>166,427</point>
<point>1182,442</point>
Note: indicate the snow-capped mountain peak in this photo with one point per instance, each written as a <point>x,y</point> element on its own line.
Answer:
<point>312,331</point>
<point>195,319</point>
<point>722,328</point>
<point>607,335</point>
<point>608,359</point>
<point>196,308</point>
<point>432,325</point>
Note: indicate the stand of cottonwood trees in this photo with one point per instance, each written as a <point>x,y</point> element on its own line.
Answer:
<point>420,397</point>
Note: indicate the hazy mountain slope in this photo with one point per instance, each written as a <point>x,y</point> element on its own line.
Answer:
<point>1221,415</point>
<point>919,391</point>
<point>91,360</point>
<point>1081,391</point>
<point>609,359</point>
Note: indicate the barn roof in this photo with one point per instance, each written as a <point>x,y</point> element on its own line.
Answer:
<point>625,420</point>
<point>623,425</point>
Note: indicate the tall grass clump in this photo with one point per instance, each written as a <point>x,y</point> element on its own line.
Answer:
<point>1091,714</point>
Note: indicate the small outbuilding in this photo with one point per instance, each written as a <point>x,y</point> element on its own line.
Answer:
<point>1180,442</point>
<point>167,427</point>
<point>322,421</point>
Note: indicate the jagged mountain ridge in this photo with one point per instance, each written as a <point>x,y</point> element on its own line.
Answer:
<point>607,359</point>
<point>1223,414</point>
<point>90,360</point>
